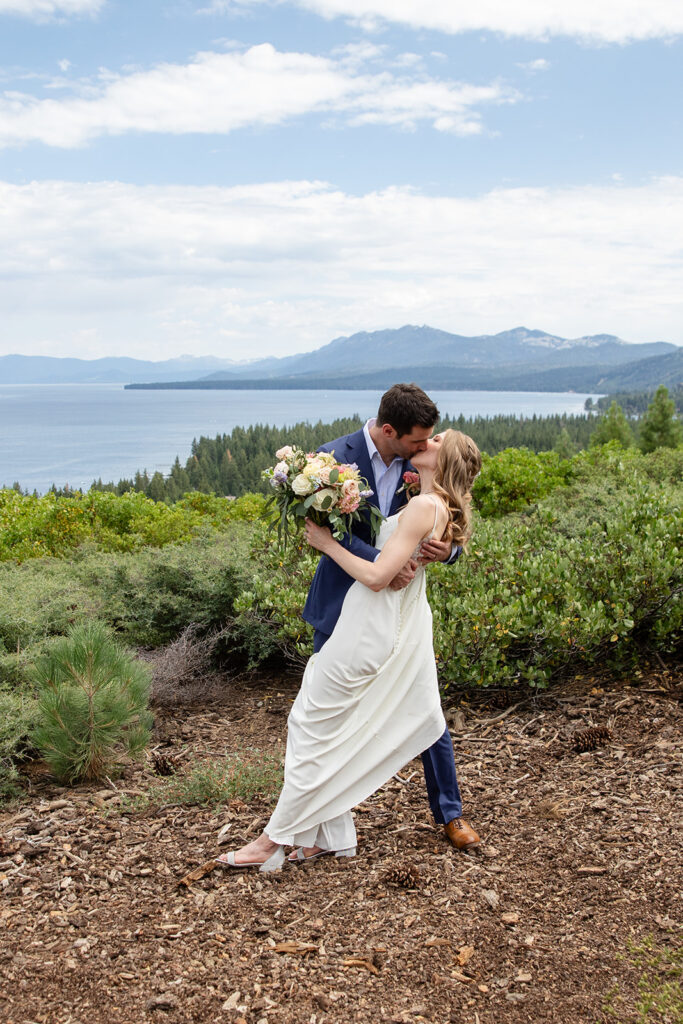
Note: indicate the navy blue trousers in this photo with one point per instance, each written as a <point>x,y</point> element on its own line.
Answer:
<point>439,767</point>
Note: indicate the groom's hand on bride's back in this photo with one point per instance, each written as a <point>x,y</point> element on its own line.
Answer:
<point>435,551</point>
<point>404,576</point>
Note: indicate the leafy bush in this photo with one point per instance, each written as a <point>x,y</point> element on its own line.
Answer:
<point>10,786</point>
<point>618,464</point>
<point>18,713</point>
<point>270,606</point>
<point>42,599</point>
<point>590,573</point>
<point>218,512</point>
<point>92,704</point>
<point>515,478</point>
<point>148,597</point>
<point>52,525</point>
<point>562,585</point>
<point>152,597</point>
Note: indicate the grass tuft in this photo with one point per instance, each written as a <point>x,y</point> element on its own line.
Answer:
<point>215,782</point>
<point>660,990</point>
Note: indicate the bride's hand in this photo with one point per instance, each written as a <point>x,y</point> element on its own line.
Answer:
<point>318,537</point>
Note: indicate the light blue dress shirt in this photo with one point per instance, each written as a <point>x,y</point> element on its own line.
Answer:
<point>387,478</point>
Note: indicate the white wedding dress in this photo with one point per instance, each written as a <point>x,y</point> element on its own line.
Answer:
<point>369,703</point>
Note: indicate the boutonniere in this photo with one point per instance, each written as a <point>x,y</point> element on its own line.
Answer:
<point>411,484</point>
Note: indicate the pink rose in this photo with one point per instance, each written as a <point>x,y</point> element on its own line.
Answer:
<point>350,496</point>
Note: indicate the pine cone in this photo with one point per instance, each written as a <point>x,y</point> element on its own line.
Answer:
<point>589,739</point>
<point>407,876</point>
<point>163,765</point>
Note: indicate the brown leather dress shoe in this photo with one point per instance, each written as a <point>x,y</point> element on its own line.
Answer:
<point>460,835</point>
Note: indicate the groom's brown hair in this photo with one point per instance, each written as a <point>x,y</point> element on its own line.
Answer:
<point>405,406</point>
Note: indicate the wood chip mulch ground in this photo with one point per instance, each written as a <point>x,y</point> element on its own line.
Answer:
<point>580,864</point>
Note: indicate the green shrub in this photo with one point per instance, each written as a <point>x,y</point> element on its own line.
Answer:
<point>613,462</point>
<point>149,597</point>
<point>18,713</point>
<point>270,606</point>
<point>57,526</point>
<point>563,585</point>
<point>35,527</point>
<point>10,782</point>
<point>92,704</point>
<point>592,574</point>
<point>218,512</point>
<point>517,477</point>
<point>152,597</point>
<point>42,598</point>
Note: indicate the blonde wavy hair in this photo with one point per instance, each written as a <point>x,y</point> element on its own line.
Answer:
<point>457,467</point>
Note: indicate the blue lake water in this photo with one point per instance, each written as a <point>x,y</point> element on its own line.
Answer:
<point>75,433</point>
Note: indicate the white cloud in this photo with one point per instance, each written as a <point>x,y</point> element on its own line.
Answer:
<point>611,21</point>
<point>42,9</point>
<point>540,64</point>
<point>221,92</point>
<point>222,7</point>
<point>449,109</point>
<point>64,65</point>
<point>282,267</point>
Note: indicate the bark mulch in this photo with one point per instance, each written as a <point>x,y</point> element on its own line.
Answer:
<point>580,864</point>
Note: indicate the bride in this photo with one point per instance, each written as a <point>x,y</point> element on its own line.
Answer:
<point>369,701</point>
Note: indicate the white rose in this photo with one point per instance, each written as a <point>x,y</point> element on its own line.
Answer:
<point>284,453</point>
<point>282,467</point>
<point>326,492</point>
<point>302,485</point>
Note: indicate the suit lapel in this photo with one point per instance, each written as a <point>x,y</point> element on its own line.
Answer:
<point>399,500</point>
<point>358,453</point>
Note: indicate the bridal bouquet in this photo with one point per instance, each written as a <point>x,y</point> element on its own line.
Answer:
<point>316,486</point>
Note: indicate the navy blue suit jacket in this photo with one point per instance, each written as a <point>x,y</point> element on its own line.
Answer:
<point>330,583</point>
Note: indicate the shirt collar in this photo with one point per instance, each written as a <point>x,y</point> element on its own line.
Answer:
<point>372,447</point>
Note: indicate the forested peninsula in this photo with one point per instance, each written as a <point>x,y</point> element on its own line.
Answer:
<point>232,464</point>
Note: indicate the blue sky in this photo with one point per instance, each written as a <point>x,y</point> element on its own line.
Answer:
<point>257,177</point>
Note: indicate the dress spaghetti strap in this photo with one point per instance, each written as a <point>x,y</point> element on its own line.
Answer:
<point>437,502</point>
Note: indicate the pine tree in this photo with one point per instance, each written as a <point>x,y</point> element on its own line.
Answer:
<point>180,477</point>
<point>613,426</point>
<point>157,487</point>
<point>92,702</point>
<point>141,481</point>
<point>564,446</point>
<point>661,428</point>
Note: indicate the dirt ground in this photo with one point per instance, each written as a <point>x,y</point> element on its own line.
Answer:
<point>580,861</point>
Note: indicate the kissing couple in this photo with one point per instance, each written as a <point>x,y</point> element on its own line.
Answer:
<point>369,700</point>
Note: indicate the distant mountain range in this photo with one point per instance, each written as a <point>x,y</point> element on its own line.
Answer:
<point>17,369</point>
<point>516,360</point>
<point>428,347</point>
<point>519,359</point>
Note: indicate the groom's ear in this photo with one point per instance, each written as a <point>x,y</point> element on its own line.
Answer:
<point>389,431</point>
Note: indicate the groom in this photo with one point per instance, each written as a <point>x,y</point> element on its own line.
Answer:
<point>382,451</point>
